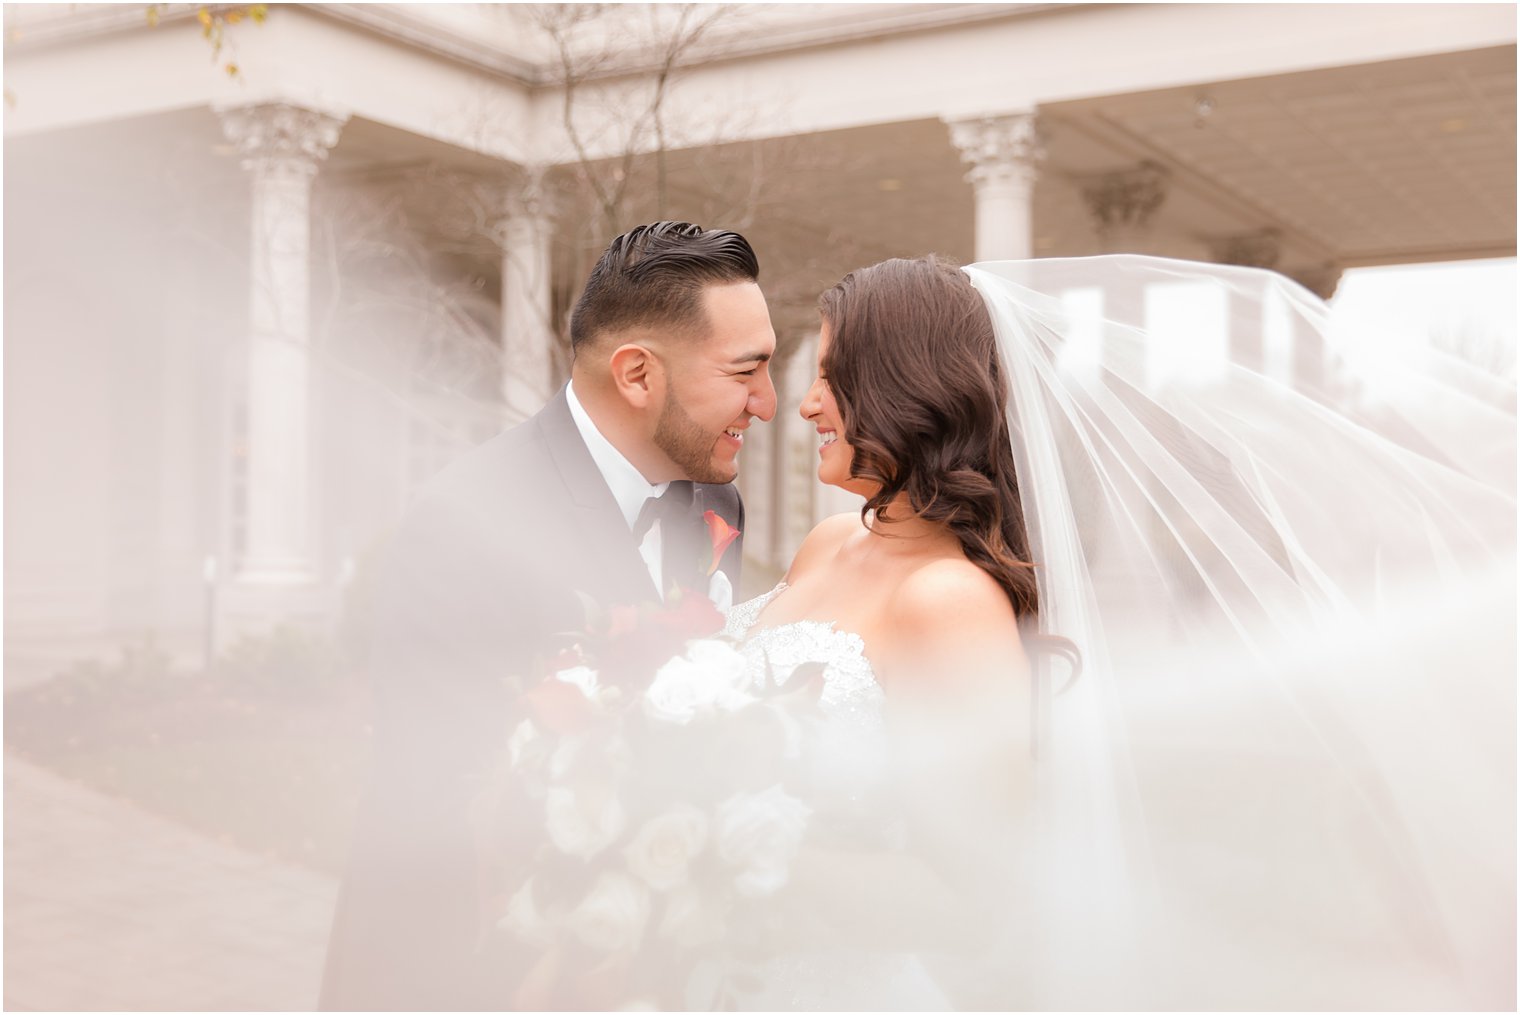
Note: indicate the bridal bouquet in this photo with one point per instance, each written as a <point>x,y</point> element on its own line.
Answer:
<point>651,769</point>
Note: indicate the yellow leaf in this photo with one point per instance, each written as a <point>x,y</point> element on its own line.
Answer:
<point>232,70</point>
<point>153,16</point>
<point>258,12</point>
<point>232,17</point>
<point>204,16</point>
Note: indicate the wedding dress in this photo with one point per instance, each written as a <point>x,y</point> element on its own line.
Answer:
<point>849,787</point>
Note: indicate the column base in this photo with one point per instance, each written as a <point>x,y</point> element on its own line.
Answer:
<point>293,573</point>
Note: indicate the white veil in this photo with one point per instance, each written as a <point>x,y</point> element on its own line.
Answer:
<point>1286,551</point>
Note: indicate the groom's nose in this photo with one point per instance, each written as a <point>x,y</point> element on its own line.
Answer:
<point>762,401</point>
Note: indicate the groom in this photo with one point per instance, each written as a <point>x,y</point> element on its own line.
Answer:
<point>600,495</point>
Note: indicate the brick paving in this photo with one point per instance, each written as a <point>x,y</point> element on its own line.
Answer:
<point>108,907</point>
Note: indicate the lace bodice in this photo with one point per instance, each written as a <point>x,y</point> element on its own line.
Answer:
<point>847,758</point>
<point>850,691</point>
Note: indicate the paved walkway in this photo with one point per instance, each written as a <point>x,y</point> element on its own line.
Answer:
<point>111,908</point>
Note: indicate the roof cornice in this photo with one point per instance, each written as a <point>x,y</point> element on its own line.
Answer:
<point>395,21</point>
<point>840,23</point>
<point>821,25</point>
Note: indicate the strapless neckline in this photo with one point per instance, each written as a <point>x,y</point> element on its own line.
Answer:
<point>851,690</point>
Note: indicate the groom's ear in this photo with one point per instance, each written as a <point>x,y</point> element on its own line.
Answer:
<point>636,374</point>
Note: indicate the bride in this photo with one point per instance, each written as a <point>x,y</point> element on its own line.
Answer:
<point>1161,678</point>
<point>916,607</point>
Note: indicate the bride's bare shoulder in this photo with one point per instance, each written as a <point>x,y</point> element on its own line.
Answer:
<point>824,541</point>
<point>951,625</point>
<point>952,600</point>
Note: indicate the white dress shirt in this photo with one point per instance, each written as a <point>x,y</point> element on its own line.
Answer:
<point>629,487</point>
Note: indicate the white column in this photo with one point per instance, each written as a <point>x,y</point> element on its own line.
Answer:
<point>1003,152</point>
<point>799,511</point>
<point>527,331</point>
<point>281,145</point>
<point>1311,366</point>
<point>1248,323</point>
<point>763,495</point>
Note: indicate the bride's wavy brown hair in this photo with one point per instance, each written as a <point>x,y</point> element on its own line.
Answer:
<point>913,365</point>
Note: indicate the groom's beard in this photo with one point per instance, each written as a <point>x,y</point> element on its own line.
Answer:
<point>688,445</point>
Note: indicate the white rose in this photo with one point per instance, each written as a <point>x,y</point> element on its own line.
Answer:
<point>711,676</point>
<point>582,823</point>
<point>523,737</point>
<point>760,834</point>
<point>759,882</point>
<point>612,915</point>
<point>564,756</point>
<point>690,921</point>
<point>524,919</point>
<point>582,677</point>
<point>575,757</point>
<point>727,669</point>
<point>665,845</point>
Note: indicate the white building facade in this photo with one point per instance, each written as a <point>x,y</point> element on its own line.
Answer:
<point>247,312</point>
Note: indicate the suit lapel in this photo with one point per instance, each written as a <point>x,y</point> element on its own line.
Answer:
<point>611,554</point>
<point>613,558</point>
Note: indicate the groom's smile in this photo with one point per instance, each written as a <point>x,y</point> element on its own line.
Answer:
<point>718,385</point>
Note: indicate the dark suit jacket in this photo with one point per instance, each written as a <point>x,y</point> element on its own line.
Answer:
<point>484,568</point>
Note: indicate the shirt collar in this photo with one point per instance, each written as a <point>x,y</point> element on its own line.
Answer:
<point>629,487</point>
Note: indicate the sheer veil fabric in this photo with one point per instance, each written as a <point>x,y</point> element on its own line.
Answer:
<point>1285,776</point>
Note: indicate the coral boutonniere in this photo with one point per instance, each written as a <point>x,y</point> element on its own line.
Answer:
<point>722,534</point>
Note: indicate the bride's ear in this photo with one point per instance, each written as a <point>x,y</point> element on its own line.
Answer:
<point>637,375</point>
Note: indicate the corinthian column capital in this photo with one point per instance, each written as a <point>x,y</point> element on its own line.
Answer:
<point>1125,200</point>
<point>1321,279</point>
<point>521,197</point>
<point>1259,249</point>
<point>280,137</point>
<point>999,148</point>
<point>529,195</point>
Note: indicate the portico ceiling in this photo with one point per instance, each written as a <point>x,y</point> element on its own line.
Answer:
<point>1408,160</point>
<point>1399,162</point>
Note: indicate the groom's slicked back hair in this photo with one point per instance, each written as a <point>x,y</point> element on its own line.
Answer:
<point>653,276</point>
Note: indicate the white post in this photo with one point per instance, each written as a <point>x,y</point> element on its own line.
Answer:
<point>1311,366</point>
<point>763,495</point>
<point>281,145</point>
<point>527,333</point>
<point>800,510</point>
<point>1248,323</point>
<point>1003,152</point>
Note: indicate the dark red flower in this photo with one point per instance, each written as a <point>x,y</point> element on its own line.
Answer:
<point>639,642</point>
<point>689,615</point>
